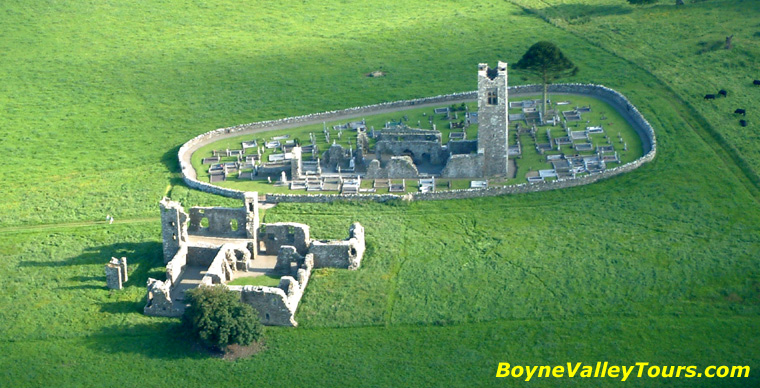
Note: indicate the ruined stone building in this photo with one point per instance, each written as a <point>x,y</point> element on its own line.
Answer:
<point>493,123</point>
<point>210,246</point>
<point>404,152</point>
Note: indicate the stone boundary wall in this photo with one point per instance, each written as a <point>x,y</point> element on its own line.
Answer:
<point>614,98</point>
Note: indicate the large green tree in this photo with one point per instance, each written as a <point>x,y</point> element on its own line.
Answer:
<point>218,318</point>
<point>546,61</point>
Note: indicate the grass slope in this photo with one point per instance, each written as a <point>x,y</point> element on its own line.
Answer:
<point>659,265</point>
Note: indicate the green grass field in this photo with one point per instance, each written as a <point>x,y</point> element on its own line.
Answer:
<point>659,265</point>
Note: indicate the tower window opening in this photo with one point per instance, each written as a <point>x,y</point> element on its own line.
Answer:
<point>493,97</point>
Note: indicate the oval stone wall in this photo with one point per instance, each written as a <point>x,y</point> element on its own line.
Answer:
<point>612,97</point>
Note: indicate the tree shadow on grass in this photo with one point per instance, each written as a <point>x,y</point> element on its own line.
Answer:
<point>85,286</point>
<point>123,307</point>
<point>570,12</point>
<point>86,278</point>
<point>165,340</point>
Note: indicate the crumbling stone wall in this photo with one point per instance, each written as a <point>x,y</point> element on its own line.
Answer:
<point>270,302</point>
<point>222,222</point>
<point>251,204</point>
<point>177,265</point>
<point>464,166</point>
<point>462,146</point>
<point>238,257</point>
<point>116,273</point>
<point>423,151</point>
<point>396,168</point>
<point>286,257</point>
<point>173,227</point>
<point>201,255</point>
<point>159,301</point>
<point>340,254</point>
<point>278,234</point>
<point>277,305</point>
<point>219,271</point>
<point>335,156</point>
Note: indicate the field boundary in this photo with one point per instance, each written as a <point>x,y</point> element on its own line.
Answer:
<point>619,102</point>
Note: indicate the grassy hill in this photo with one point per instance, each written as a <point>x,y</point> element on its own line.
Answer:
<point>659,265</point>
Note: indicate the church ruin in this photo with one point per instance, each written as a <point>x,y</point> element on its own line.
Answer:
<point>210,246</point>
<point>401,151</point>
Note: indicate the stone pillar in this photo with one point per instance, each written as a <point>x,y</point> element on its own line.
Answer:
<point>116,273</point>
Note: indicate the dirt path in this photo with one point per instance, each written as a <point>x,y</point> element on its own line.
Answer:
<point>69,225</point>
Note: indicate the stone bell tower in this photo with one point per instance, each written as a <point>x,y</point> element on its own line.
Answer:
<point>493,119</point>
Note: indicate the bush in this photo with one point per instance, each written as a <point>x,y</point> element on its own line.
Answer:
<point>636,2</point>
<point>218,318</point>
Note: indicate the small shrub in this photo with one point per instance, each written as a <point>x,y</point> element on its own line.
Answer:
<point>218,318</point>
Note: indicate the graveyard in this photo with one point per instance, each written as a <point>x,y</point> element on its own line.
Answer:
<point>538,151</point>
<point>655,265</point>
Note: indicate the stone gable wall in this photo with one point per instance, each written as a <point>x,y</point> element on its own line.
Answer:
<point>219,221</point>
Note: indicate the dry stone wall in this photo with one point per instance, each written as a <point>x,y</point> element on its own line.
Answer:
<point>615,99</point>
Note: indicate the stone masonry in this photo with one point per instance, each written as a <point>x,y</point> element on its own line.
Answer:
<point>173,227</point>
<point>493,121</point>
<point>216,252</point>
<point>340,254</point>
<point>276,235</point>
<point>116,273</point>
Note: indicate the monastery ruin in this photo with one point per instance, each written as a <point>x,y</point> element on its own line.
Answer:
<point>210,246</point>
